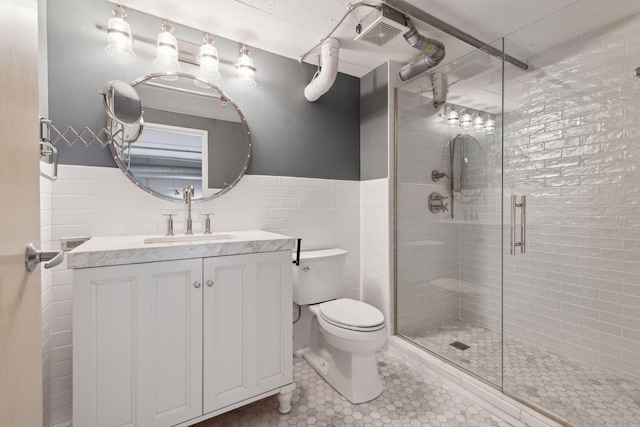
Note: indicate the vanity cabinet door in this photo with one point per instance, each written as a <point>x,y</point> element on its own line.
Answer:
<point>169,372</point>
<point>247,327</point>
<point>137,344</point>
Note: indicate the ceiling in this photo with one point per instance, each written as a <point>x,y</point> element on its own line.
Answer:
<point>291,27</point>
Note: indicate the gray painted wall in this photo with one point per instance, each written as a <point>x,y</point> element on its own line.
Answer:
<point>291,136</point>
<point>374,124</point>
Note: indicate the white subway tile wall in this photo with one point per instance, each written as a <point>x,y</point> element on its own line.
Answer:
<point>573,150</point>
<point>375,245</point>
<point>93,201</point>
<point>427,243</point>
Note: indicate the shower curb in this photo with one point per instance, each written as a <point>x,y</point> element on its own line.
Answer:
<point>482,394</point>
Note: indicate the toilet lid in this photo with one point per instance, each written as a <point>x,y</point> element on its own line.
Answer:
<point>349,312</point>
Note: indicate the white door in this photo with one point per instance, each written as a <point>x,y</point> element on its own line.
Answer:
<point>20,352</point>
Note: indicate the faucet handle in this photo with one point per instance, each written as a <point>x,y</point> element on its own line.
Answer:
<point>169,223</point>
<point>207,223</point>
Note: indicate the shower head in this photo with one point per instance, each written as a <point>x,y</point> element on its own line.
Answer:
<point>636,72</point>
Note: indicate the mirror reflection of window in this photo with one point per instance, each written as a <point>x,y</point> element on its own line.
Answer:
<point>169,158</point>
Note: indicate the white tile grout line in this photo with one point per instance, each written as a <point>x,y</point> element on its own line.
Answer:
<point>480,393</point>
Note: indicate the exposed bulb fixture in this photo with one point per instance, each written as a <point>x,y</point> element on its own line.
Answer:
<point>478,122</point>
<point>209,62</point>
<point>119,40</point>
<point>489,125</point>
<point>167,49</point>
<point>451,116</point>
<point>245,69</point>
<point>465,118</point>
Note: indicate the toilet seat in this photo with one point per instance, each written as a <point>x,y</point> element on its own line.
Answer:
<point>352,315</point>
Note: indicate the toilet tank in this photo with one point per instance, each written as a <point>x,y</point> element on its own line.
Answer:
<point>319,277</point>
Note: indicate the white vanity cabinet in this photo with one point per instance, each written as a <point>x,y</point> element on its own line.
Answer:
<point>176,342</point>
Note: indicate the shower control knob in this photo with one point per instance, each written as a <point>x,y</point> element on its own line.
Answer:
<point>436,203</point>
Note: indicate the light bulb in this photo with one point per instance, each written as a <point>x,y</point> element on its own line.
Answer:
<point>465,118</point>
<point>245,69</point>
<point>478,122</point>
<point>119,39</point>
<point>167,49</point>
<point>489,126</point>
<point>209,63</point>
<point>451,116</point>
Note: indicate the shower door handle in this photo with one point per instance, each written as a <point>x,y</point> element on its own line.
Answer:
<point>523,224</point>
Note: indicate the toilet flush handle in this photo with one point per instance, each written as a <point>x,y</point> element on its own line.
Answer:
<point>306,269</point>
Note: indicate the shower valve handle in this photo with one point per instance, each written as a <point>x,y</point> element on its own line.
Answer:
<point>436,204</point>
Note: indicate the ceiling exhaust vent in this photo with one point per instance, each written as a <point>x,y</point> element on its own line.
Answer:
<point>381,26</point>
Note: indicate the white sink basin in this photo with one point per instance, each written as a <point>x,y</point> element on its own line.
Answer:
<point>191,238</point>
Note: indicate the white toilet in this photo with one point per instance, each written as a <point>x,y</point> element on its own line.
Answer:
<point>345,333</point>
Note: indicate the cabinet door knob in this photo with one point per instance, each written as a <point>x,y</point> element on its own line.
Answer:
<point>196,284</point>
<point>210,283</point>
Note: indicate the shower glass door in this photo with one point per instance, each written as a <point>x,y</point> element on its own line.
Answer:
<point>572,147</point>
<point>518,245</point>
<point>449,214</point>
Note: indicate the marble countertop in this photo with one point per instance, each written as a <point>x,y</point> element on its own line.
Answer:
<point>119,250</point>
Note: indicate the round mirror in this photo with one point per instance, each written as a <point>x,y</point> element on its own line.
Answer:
<point>122,103</point>
<point>193,135</point>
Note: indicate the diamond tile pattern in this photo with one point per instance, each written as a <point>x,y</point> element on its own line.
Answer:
<point>574,391</point>
<point>410,398</point>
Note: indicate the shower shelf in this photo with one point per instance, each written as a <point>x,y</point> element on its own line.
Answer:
<point>471,222</point>
<point>423,243</point>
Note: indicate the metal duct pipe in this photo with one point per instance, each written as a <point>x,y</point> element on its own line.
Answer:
<point>433,53</point>
<point>411,10</point>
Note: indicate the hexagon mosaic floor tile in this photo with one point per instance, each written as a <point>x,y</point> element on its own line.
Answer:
<point>575,392</point>
<point>410,398</point>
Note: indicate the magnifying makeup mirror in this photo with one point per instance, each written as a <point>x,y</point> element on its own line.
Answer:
<point>123,106</point>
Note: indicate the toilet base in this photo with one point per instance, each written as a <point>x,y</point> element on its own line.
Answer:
<point>354,376</point>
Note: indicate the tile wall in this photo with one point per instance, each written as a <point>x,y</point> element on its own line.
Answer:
<point>92,201</point>
<point>374,247</point>
<point>573,150</point>
<point>427,243</point>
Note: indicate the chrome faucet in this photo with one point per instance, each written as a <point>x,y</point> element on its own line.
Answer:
<point>187,194</point>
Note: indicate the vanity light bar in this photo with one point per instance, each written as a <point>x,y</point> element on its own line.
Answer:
<point>187,52</point>
<point>479,121</point>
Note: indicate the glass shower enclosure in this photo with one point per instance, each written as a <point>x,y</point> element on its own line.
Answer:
<point>518,215</point>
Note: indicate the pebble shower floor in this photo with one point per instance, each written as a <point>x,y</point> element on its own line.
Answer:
<point>410,398</point>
